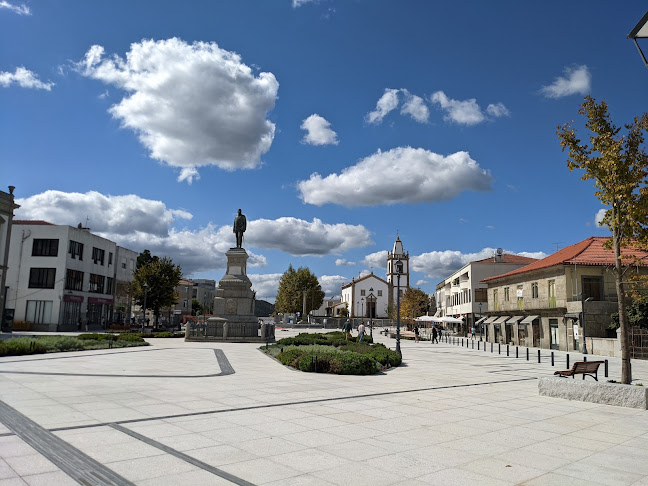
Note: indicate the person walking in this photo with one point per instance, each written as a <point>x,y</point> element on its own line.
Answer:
<point>416,334</point>
<point>347,329</point>
<point>361,332</point>
<point>434,335</point>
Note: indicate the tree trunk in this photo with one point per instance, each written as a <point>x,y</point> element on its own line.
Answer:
<point>626,367</point>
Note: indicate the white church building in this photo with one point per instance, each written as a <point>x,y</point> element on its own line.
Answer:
<point>370,296</point>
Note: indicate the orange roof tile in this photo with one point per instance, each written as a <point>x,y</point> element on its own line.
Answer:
<point>587,252</point>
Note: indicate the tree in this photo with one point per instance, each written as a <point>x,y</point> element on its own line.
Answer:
<point>637,315</point>
<point>292,285</point>
<point>618,165</point>
<point>161,276</point>
<point>196,308</point>
<point>414,303</point>
<point>144,258</point>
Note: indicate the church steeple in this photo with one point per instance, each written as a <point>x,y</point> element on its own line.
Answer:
<point>397,253</point>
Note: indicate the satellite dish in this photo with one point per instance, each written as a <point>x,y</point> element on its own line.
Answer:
<point>500,251</point>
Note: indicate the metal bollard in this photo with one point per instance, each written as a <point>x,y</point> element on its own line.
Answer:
<point>552,358</point>
<point>491,347</point>
<point>567,360</point>
<point>517,352</point>
<point>473,344</point>
<point>527,354</point>
<point>606,368</point>
<point>499,348</point>
<point>507,350</point>
<point>477,345</point>
<point>538,355</point>
<point>585,359</point>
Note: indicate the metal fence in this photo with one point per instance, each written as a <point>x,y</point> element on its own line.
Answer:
<point>638,343</point>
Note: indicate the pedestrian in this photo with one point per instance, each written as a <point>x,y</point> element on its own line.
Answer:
<point>347,329</point>
<point>361,332</point>
<point>79,324</point>
<point>416,334</point>
<point>434,335</point>
<point>440,335</point>
<point>472,332</point>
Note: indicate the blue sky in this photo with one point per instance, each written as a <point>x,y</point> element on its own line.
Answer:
<point>333,125</point>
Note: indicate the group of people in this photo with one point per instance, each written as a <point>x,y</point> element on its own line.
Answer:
<point>436,334</point>
<point>348,327</point>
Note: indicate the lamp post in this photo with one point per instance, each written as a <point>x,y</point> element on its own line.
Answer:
<point>362,304</point>
<point>370,299</point>
<point>145,287</point>
<point>640,31</point>
<point>583,323</point>
<point>399,271</point>
<point>481,325</point>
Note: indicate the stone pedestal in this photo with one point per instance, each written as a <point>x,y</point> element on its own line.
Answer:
<point>234,318</point>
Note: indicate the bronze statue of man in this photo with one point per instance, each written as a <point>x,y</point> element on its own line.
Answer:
<point>240,224</point>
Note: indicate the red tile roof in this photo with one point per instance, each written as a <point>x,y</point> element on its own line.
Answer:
<point>34,222</point>
<point>587,252</point>
<point>508,258</point>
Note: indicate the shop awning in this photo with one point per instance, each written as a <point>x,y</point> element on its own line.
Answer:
<point>528,319</point>
<point>502,319</point>
<point>481,320</point>
<point>491,319</point>
<point>514,319</point>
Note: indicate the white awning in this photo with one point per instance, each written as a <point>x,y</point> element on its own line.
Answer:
<point>528,319</point>
<point>481,320</point>
<point>491,319</point>
<point>514,319</point>
<point>453,320</point>
<point>424,318</point>
<point>502,319</point>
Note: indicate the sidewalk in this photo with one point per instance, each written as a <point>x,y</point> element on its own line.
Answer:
<point>173,414</point>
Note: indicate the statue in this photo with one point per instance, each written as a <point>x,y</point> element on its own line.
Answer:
<point>240,224</point>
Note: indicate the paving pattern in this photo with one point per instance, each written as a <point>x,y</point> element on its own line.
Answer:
<point>172,414</point>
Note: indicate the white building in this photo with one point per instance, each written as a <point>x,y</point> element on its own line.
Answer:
<point>204,291</point>
<point>464,296</point>
<point>61,277</point>
<point>7,207</point>
<point>393,257</point>
<point>124,269</point>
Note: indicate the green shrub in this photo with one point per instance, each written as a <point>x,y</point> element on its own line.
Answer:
<point>289,356</point>
<point>57,344</point>
<point>348,363</point>
<point>21,346</point>
<point>130,337</point>
<point>96,337</point>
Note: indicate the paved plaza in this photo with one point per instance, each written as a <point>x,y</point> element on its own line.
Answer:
<point>178,413</point>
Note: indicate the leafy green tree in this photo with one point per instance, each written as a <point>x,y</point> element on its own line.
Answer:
<point>637,315</point>
<point>292,285</point>
<point>161,277</point>
<point>196,308</point>
<point>618,165</point>
<point>144,258</point>
<point>414,303</point>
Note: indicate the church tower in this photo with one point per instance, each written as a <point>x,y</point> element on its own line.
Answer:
<point>393,256</point>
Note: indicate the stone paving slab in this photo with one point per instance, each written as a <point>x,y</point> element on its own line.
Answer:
<point>452,415</point>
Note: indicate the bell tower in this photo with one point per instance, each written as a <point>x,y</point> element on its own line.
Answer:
<point>397,254</point>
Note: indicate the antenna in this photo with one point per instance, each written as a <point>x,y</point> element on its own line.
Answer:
<point>87,219</point>
<point>558,243</point>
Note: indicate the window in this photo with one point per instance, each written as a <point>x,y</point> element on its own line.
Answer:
<point>98,255</point>
<point>362,292</point>
<point>74,280</point>
<point>495,299</point>
<point>380,293</point>
<point>109,258</point>
<point>520,297</point>
<point>39,311</point>
<point>45,247</point>
<point>76,250</point>
<point>185,303</point>
<point>552,294</point>
<point>123,262</point>
<point>592,288</point>
<point>96,284</point>
<point>507,294</point>
<point>534,290</point>
<point>186,290</point>
<point>109,285</point>
<point>42,278</point>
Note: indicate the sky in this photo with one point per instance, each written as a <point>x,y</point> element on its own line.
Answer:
<point>335,125</point>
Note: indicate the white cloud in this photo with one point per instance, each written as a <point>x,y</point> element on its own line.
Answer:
<point>387,102</point>
<point>342,262</point>
<point>440,264</point>
<point>23,78</point>
<point>318,131</point>
<point>466,112</point>
<point>191,105</point>
<point>299,3</point>
<point>415,107</point>
<point>21,9</point>
<point>299,237</point>
<point>497,110</point>
<point>265,285</point>
<point>598,217</point>
<point>577,80</point>
<point>137,223</point>
<point>332,285</point>
<point>400,175</point>
<point>376,260</point>
<point>421,282</point>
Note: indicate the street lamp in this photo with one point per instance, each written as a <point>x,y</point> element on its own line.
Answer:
<point>145,287</point>
<point>481,326</point>
<point>362,303</point>
<point>583,323</point>
<point>640,31</point>
<point>371,298</point>
<point>399,271</point>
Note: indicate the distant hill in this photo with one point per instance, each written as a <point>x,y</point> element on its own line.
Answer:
<point>263,308</point>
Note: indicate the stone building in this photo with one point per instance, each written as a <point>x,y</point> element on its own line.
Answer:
<point>7,207</point>
<point>557,301</point>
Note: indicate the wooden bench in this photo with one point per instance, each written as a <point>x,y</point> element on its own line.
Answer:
<point>589,368</point>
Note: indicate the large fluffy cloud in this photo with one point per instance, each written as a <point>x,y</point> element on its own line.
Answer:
<point>577,80</point>
<point>299,237</point>
<point>21,9</point>
<point>265,285</point>
<point>466,112</point>
<point>23,78</point>
<point>332,285</point>
<point>138,223</point>
<point>191,105</point>
<point>400,175</point>
<point>318,131</point>
<point>376,260</point>
<point>440,264</point>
